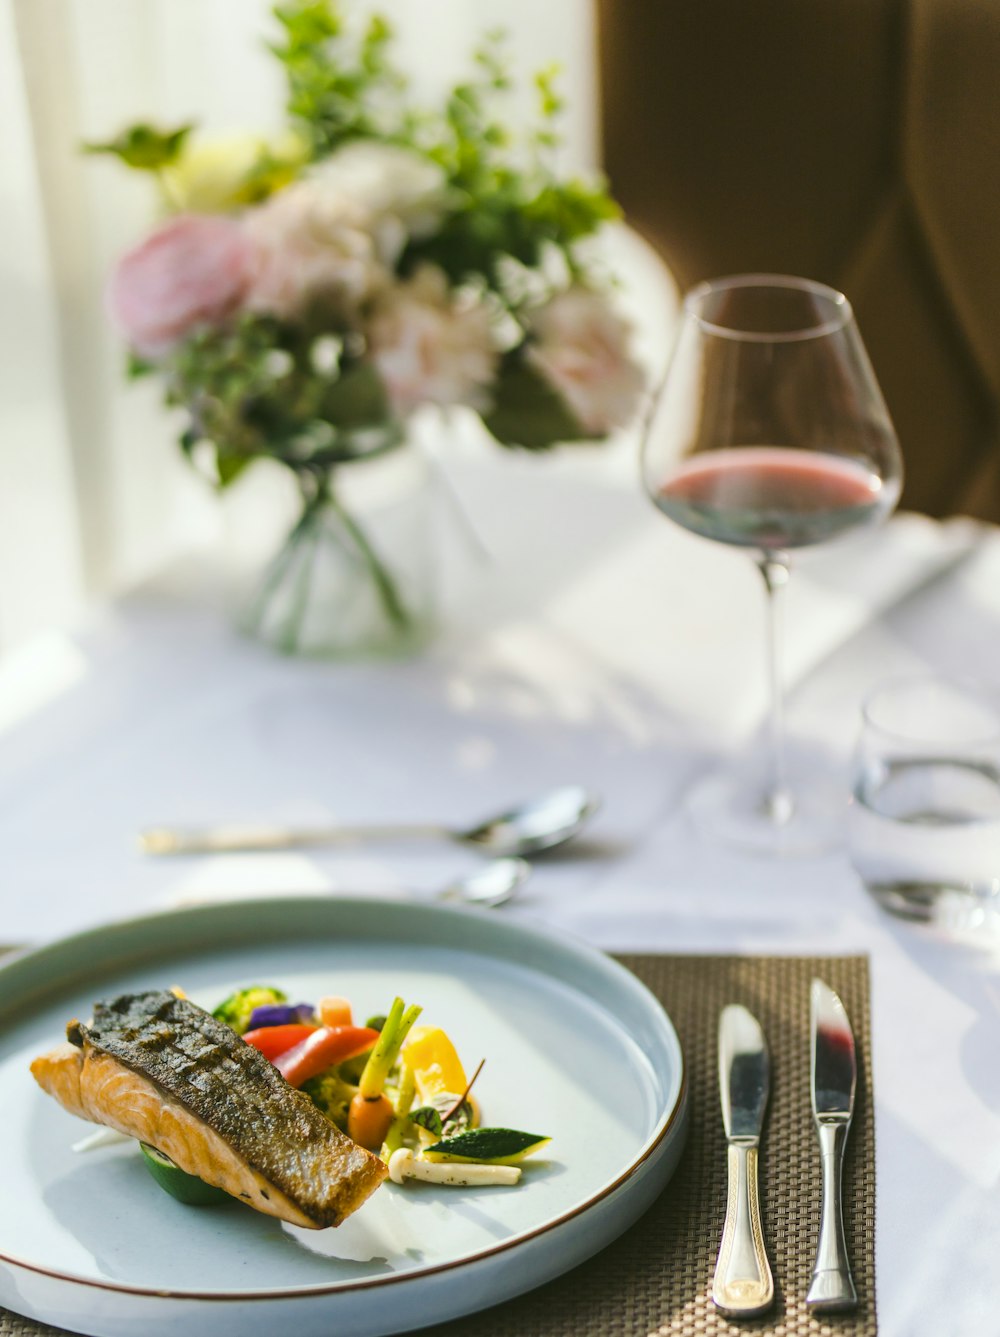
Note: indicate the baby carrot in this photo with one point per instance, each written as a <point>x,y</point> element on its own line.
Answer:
<point>369,1119</point>
<point>335,1011</point>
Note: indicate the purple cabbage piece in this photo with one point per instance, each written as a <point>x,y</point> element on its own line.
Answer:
<point>281,1014</point>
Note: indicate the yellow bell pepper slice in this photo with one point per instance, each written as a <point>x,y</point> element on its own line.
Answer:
<point>434,1062</point>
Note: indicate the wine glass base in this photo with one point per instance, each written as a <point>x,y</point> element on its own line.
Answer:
<point>737,811</point>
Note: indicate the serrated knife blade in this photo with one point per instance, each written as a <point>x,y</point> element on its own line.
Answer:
<point>834,1076</point>
<point>743,1284</point>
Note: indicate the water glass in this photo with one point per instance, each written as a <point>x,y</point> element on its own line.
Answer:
<point>924,821</point>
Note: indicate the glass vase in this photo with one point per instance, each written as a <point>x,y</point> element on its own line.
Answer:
<point>356,575</point>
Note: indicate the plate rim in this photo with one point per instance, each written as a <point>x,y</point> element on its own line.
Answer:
<point>535,930</point>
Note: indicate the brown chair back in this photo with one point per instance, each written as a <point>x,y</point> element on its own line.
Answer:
<point>852,141</point>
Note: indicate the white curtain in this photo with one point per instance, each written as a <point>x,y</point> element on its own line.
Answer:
<point>93,495</point>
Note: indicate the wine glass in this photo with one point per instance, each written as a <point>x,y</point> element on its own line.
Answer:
<point>770,433</point>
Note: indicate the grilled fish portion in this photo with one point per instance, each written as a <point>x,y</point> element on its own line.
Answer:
<point>160,1069</point>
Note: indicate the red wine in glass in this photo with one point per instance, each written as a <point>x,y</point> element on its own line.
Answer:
<point>772,498</point>
<point>770,433</point>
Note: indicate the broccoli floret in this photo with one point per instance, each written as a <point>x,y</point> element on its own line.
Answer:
<point>352,1068</point>
<point>331,1095</point>
<point>237,1009</point>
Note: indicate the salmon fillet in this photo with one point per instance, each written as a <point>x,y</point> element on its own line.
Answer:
<point>157,1068</point>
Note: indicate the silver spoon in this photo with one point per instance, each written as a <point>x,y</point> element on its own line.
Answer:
<point>540,824</point>
<point>491,885</point>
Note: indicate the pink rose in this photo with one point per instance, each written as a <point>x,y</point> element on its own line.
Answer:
<point>580,347</point>
<point>429,348</point>
<point>311,244</point>
<point>194,270</point>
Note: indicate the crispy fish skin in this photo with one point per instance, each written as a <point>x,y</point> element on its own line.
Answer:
<point>158,1068</point>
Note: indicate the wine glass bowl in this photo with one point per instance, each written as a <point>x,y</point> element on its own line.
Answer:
<point>769,432</point>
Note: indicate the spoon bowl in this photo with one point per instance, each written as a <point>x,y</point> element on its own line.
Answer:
<point>490,886</point>
<point>540,824</point>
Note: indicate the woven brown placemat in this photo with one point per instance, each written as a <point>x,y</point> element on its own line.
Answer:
<point>655,1281</point>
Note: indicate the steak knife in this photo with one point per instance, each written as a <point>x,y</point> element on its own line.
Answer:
<point>834,1078</point>
<point>743,1284</point>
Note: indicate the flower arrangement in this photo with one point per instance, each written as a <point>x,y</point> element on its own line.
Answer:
<point>306,294</point>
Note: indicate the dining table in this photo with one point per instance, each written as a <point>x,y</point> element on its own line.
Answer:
<point>584,640</point>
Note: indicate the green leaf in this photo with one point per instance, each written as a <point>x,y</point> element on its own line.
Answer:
<point>230,466</point>
<point>428,1117</point>
<point>356,399</point>
<point>144,147</point>
<point>527,411</point>
<point>309,23</point>
<point>136,365</point>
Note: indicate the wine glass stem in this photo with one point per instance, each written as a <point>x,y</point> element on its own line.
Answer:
<point>778,802</point>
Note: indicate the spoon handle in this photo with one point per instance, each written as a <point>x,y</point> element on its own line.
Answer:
<point>229,839</point>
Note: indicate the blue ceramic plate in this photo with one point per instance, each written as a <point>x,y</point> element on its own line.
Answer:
<point>575,1047</point>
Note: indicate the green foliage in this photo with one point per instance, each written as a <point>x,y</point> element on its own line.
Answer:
<point>253,389</point>
<point>526,411</point>
<point>339,87</point>
<point>137,366</point>
<point>144,147</point>
<point>506,200</point>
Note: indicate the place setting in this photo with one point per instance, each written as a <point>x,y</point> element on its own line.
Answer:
<point>683,1070</point>
<point>620,1143</point>
<point>659,1143</point>
<point>495,818</point>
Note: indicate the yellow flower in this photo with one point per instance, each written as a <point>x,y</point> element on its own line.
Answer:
<point>215,173</point>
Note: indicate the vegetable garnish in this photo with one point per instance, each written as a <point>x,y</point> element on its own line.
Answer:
<point>400,1126</point>
<point>456,1105</point>
<point>282,1014</point>
<point>273,1041</point>
<point>336,1011</point>
<point>371,1112</point>
<point>178,1183</point>
<point>395,1088</point>
<point>322,1049</point>
<point>497,1146</point>
<point>237,1009</point>
<point>404,1165</point>
<point>430,1118</point>
<point>435,1063</point>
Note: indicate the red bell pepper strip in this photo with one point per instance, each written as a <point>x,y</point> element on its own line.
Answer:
<point>275,1040</point>
<point>321,1050</point>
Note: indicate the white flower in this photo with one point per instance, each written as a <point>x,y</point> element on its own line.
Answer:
<point>430,348</point>
<point>579,345</point>
<point>403,193</point>
<point>311,242</point>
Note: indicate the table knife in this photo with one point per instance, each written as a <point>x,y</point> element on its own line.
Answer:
<point>743,1284</point>
<point>834,1072</point>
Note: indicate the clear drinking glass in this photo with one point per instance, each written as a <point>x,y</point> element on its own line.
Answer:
<point>924,820</point>
<point>770,433</point>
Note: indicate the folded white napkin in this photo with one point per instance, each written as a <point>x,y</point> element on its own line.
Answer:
<point>692,627</point>
<point>583,562</point>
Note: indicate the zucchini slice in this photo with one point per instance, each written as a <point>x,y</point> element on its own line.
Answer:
<point>493,1146</point>
<point>178,1183</point>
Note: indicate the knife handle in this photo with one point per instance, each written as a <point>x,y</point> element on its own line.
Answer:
<point>832,1285</point>
<point>743,1282</point>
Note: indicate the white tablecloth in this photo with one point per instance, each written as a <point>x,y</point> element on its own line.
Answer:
<point>601,646</point>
